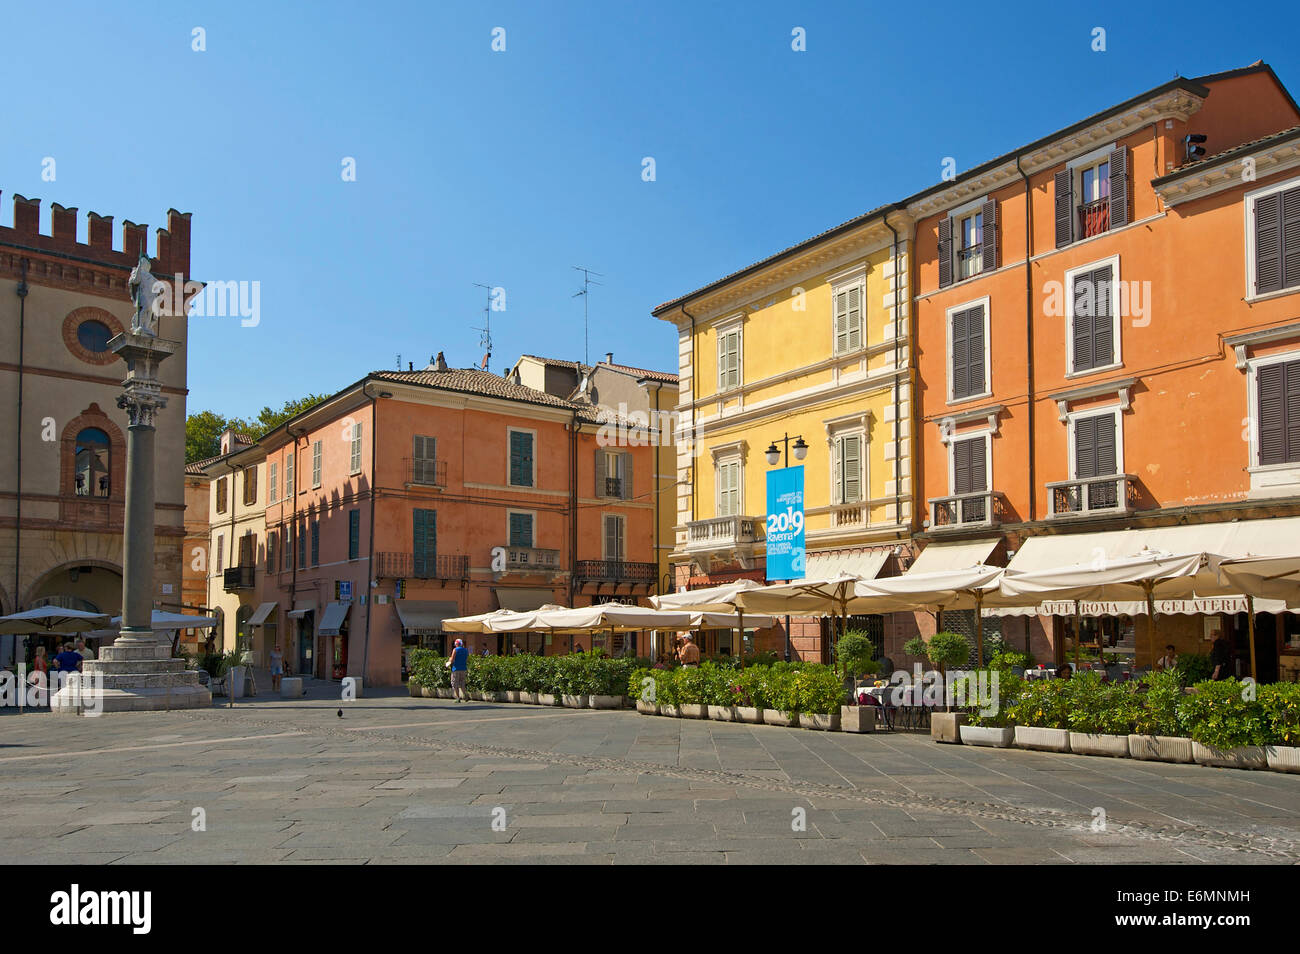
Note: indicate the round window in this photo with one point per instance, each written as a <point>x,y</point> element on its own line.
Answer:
<point>93,335</point>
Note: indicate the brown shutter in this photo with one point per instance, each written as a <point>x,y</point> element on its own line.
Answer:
<point>1084,296</point>
<point>1291,238</point>
<point>1270,382</point>
<point>1103,322</point>
<point>1268,243</point>
<point>601,487</point>
<point>1085,447</point>
<point>627,475</point>
<point>1291,382</point>
<point>960,355</point>
<point>1120,198</point>
<point>978,470</point>
<point>975,350</point>
<point>1064,208</point>
<point>961,467</point>
<point>989,252</point>
<point>1105,443</point>
<point>945,251</point>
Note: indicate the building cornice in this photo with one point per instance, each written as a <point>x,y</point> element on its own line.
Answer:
<point>1241,344</point>
<point>1232,172</point>
<point>1123,388</point>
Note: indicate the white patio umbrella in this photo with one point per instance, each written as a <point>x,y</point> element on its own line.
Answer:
<point>477,623</point>
<point>1271,577</point>
<point>827,596</point>
<point>52,619</point>
<point>713,599</point>
<point>162,620</point>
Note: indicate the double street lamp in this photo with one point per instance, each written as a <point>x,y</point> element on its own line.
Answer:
<point>800,450</point>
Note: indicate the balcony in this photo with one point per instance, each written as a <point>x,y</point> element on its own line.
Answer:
<point>1092,496</point>
<point>422,472</point>
<point>407,566</point>
<point>965,511</point>
<point>615,571</point>
<point>532,560</point>
<point>722,533</point>
<point>1094,218</point>
<point>970,261</point>
<point>237,578</point>
<point>614,487</point>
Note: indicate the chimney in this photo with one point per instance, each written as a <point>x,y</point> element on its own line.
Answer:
<point>410,366</point>
<point>27,215</point>
<point>609,357</point>
<point>63,224</point>
<point>100,230</point>
<point>439,362</point>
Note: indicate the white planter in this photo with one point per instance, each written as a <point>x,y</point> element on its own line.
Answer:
<point>546,699</point>
<point>1160,748</point>
<point>1284,758</point>
<point>823,721</point>
<point>528,698</point>
<point>857,718</point>
<point>604,702</point>
<point>945,726</point>
<point>1087,743</point>
<point>513,695</point>
<point>777,717</point>
<point>751,714</point>
<point>412,687</point>
<point>446,692</point>
<point>646,708</point>
<point>669,711</point>
<point>1044,740</point>
<point>723,714</point>
<point>492,696</point>
<point>573,702</point>
<point>693,710</point>
<point>1244,756</point>
<point>988,735</point>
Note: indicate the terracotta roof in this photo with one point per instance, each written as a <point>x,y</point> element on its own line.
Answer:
<point>243,439</point>
<point>476,381</point>
<point>196,468</point>
<point>642,372</point>
<point>559,362</point>
<point>1219,157</point>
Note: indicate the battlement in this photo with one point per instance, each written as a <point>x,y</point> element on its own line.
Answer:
<point>171,246</point>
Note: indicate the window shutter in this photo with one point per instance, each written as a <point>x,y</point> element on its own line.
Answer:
<point>1103,322</point>
<point>1268,243</point>
<point>1085,447</point>
<point>289,486</point>
<point>1064,208</point>
<point>945,251</point>
<point>1119,188</point>
<point>961,467</point>
<point>354,534</point>
<point>271,482</point>
<point>602,488</point>
<point>1104,429</point>
<point>841,322</point>
<point>1291,238</point>
<point>975,350</point>
<point>315,543</point>
<point>989,251</point>
<point>961,354</point>
<point>1084,296</point>
<point>854,318</point>
<point>626,482</point>
<point>221,556</point>
<point>851,452</point>
<point>837,472</point>
<point>978,467</point>
<point>1271,400</point>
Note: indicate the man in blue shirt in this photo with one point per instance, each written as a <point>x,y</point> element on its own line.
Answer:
<point>69,660</point>
<point>458,663</point>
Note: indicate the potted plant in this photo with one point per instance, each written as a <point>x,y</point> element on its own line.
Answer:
<point>1041,717</point>
<point>1228,729</point>
<point>747,693</point>
<point>1157,734</point>
<point>1281,702</point>
<point>782,696</point>
<point>719,697</point>
<point>1101,715</point>
<point>607,677</point>
<point>990,725</point>
<point>944,650</point>
<point>820,694</point>
<point>667,688</point>
<point>642,687</point>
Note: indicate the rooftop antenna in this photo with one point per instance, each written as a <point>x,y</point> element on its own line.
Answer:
<point>485,338</point>
<point>586,296</point>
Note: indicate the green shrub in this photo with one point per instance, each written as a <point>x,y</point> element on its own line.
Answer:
<point>429,669</point>
<point>947,650</point>
<point>818,690</point>
<point>1281,702</point>
<point>1041,703</point>
<point>1099,708</point>
<point>1159,712</point>
<point>1193,668</point>
<point>1004,660</point>
<point>1216,714</point>
<point>854,653</point>
<point>916,646</point>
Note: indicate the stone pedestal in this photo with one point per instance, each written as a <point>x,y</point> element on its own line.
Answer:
<point>133,674</point>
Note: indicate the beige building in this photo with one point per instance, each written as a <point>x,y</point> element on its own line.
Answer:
<point>63,456</point>
<point>237,484</point>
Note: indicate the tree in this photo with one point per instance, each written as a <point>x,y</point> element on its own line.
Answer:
<point>203,435</point>
<point>203,429</point>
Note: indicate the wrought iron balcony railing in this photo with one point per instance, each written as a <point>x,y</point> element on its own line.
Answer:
<point>960,511</point>
<point>237,578</point>
<point>615,571</point>
<point>1115,493</point>
<point>412,566</point>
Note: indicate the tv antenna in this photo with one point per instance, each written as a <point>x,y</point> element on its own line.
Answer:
<point>587,282</point>
<point>485,336</point>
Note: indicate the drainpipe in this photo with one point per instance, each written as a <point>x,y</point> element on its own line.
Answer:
<point>898,456</point>
<point>695,451</point>
<point>370,561</point>
<point>18,458</point>
<point>1029,338</point>
<point>293,553</point>
<point>573,509</point>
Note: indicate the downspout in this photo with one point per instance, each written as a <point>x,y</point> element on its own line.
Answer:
<point>370,560</point>
<point>695,451</point>
<point>293,551</point>
<point>898,457</point>
<point>1029,338</point>
<point>573,508</point>
<point>18,458</point>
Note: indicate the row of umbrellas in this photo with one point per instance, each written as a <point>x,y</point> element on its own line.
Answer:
<point>58,619</point>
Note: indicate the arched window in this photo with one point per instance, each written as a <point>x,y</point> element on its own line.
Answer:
<point>91,471</point>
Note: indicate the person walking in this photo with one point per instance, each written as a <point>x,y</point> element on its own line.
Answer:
<point>277,667</point>
<point>458,663</point>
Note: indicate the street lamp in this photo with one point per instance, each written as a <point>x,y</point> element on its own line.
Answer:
<point>800,450</point>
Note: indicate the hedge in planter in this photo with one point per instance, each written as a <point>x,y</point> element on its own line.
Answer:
<point>428,670</point>
<point>1218,715</point>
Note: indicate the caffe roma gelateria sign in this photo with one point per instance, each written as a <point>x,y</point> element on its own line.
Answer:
<point>1208,606</point>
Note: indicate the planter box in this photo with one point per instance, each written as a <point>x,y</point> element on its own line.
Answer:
<point>858,718</point>
<point>528,698</point>
<point>1160,748</point>
<point>291,687</point>
<point>646,708</point>
<point>605,702</point>
<point>751,714</point>
<point>513,695</point>
<point>493,696</point>
<point>822,721</point>
<point>669,711</point>
<point>1244,757</point>
<point>723,714</point>
<point>412,687</point>
<point>1087,743</point>
<point>777,717</point>
<point>573,702</point>
<point>946,726</point>
<point>1283,758</point>
<point>445,692</point>
<point>1044,740</point>
<point>693,710</point>
<point>546,699</point>
<point>987,735</point>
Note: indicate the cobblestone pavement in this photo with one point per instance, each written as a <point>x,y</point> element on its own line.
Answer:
<point>401,780</point>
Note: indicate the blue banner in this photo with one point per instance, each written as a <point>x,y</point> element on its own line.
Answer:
<point>785,519</point>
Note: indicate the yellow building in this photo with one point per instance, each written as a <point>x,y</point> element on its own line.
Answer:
<point>811,343</point>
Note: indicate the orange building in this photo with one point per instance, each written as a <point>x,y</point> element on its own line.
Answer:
<point>1108,338</point>
<point>413,496</point>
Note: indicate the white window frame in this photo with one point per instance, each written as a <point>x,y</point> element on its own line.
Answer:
<point>354,458</point>
<point>604,537</point>
<point>1252,405</point>
<point>1073,416</point>
<point>956,215</point>
<point>1117,319</point>
<point>988,352</point>
<point>1248,205</point>
<point>856,426</point>
<point>531,432</point>
<point>532,523</point>
<point>317,463</point>
<point>273,475</point>
<point>290,476</point>
<point>843,282</point>
<point>718,464</point>
<point>723,330</point>
<point>980,432</point>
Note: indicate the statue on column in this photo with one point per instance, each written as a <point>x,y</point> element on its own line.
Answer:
<point>144,295</point>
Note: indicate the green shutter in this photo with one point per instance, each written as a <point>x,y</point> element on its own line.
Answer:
<point>354,534</point>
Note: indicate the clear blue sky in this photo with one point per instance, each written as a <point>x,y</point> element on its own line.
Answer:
<point>509,168</point>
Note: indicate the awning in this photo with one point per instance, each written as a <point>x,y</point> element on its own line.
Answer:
<point>1275,536</point>
<point>332,621</point>
<point>424,617</point>
<point>864,562</point>
<point>521,599</point>
<point>1194,607</point>
<point>298,612</point>
<point>262,614</point>
<point>957,555</point>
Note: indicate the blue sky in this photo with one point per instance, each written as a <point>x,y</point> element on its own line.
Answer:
<point>509,168</point>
